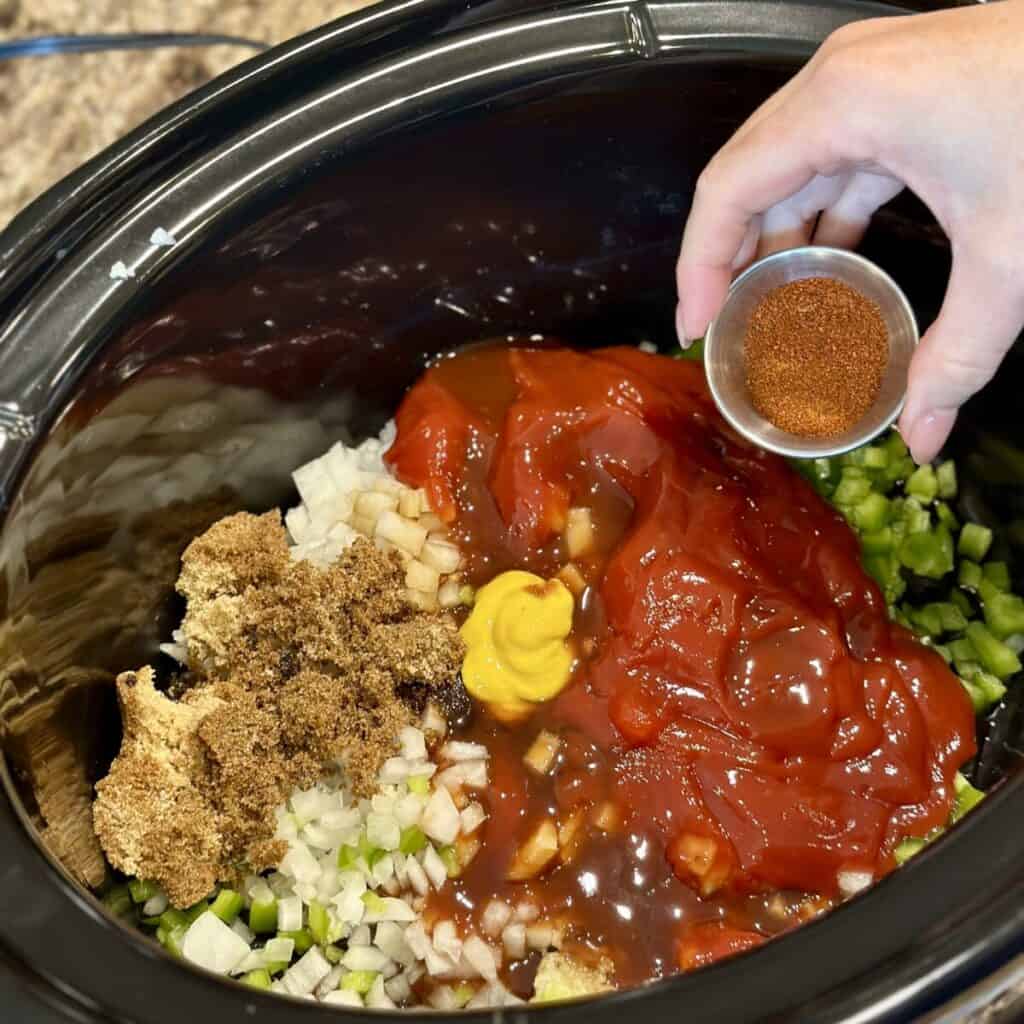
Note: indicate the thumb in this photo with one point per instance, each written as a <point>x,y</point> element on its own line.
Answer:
<point>981,316</point>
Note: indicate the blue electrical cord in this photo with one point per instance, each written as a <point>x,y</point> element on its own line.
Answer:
<point>44,46</point>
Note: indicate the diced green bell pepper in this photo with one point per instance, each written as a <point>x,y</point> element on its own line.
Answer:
<point>878,542</point>
<point>998,574</point>
<point>263,916</point>
<point>967,797</point>
<point>946,516</point>
<point>916,517</point>
<point>994,655</point>
<point>974,541</point>
<point>118,901</point>
<point>875,457</point>
<point>412,840</point>
<point>945,476</point>
<point>303,939</point>
<point>928,554</point>
<point>907,848</point>
<point>871,513</point>
<point>970,575</point>
<point>418,784</point>
<point>923,484</point>
<point>962,601</point>
<point>227,905</point>
<point>319,923</point>
<point>141,890</point>
<point>257,979</point>
<point>852,488</point>
<point>358,981</point>
<point>1004,614</point>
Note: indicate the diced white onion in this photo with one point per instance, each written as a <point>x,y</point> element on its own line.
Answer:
<point>279,949</point>
<point>469,774</point>
<point>364,958</point>
<point>472,817</point>
<point>398,988</point>
<point>410,503</point>
<point>391,909</point>
<point>439,554</point>
<point>256,890</point>
<point>434,722</point>
<point>481,957</point>
<point>377,998</point>
<point>389,938</point>
<point>393,771</point>
<point>438,965</point>
<point>434,868</point>
<point>289,914</point>
<point>383,832</point>
<point>210,943</point>
<point>155,905</point>
<point>343,997</point>
<point>348,902</point>
<point>413,743</point>
<point>384,870</point>
<point>330,982</point>
<point>853,882</point>
<point>458,750</point>
<point>443,998</point>
<point>421,577</point>
<point>302,977</point>
<point>403,533</point>
<point>514,940</point>
<point>300,864</point>
<point>526,911</point>
<point>540,937</point>
<point>374,503</point>
<point>446,939</point>
<point>441,817</point>
<point>409,810</point>
<point>496,915</point>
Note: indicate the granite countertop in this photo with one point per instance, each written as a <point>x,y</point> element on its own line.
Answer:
<point>57,111</point>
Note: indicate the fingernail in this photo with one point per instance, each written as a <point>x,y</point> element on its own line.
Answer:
<point>928,434</point>
<point>684,341</point>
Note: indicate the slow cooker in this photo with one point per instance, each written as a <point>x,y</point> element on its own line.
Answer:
<point>262,269</point>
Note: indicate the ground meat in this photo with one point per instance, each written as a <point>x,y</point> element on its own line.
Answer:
<point>293,668</point>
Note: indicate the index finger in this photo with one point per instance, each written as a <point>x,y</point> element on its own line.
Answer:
<point>754,171</point>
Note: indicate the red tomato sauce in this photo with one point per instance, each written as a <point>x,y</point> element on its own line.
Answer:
<point>740,694</point>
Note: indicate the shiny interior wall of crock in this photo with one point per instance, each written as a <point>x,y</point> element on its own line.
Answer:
<point>302,324</point>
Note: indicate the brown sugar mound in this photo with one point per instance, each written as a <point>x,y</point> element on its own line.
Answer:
<point>294,668</point>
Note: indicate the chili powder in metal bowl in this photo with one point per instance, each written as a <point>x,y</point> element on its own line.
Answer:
<point>815,353</point>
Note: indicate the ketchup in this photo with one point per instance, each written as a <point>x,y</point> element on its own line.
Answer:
<point>752,704</point>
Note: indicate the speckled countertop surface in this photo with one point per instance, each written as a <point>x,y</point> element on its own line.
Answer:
<point>57,111</point>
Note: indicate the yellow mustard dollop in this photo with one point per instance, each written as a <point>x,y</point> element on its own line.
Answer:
<point>516,650</point>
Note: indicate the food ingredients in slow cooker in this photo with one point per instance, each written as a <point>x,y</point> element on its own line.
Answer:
<point>816,351</point>
<point>292,666</point>
<point>689,722</point>
<point>516,649</point>
<point>561,977</point>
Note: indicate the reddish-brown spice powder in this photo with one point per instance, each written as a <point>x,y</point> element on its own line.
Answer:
<point>815,351</point>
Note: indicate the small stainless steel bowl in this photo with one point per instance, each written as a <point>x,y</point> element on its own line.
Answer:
<point>726,365</point>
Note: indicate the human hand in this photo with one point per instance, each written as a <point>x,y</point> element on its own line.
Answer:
<point>932,102</point>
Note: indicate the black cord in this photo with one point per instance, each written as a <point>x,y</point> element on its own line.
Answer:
<point>44,46</point>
